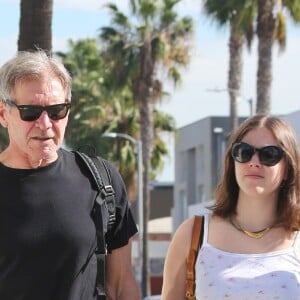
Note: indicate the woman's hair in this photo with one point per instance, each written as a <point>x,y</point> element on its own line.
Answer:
<point>288,205</point>
<point>28,65</point>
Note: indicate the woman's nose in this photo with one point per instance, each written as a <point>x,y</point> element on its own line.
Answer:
<point>254,161</point>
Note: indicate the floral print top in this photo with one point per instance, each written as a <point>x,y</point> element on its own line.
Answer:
<point>266,276</point>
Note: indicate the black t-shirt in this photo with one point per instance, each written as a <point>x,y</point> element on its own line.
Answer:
<point>47,235</point>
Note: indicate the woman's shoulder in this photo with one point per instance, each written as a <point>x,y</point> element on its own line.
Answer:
<point>179,246</point>
<point>186,226</point>
<point>183,234</point>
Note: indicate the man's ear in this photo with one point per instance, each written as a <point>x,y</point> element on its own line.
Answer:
<point>3,112</point>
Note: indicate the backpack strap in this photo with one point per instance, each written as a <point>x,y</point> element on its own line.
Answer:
<point>196,243</point>
<point>104,207</point>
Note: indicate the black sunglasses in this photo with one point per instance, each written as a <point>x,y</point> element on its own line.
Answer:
<point>268,156</point>
<point>33,112</point>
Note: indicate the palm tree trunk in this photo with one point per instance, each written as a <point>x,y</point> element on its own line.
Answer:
<point>143,96</point>
<point>146,111</point>
<point>236,43</point>
<point>265,32</point>
<point>35,25</point>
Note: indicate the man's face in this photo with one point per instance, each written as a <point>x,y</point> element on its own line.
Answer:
<point>36,142</point>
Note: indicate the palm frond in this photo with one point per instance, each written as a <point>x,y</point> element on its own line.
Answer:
<point>293,7</point>
<point>280,30</point>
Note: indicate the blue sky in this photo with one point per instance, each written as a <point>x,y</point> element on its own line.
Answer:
<point>208,69</point>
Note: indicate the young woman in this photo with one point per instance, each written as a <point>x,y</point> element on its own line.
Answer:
<point>251,245</point>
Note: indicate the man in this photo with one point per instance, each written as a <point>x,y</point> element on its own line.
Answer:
<point>47,235</point>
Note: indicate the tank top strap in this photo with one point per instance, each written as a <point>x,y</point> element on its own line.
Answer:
<point>205,233</point>
<point>296,243</point>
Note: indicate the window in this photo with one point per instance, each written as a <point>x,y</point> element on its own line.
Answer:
<point>191,176</point>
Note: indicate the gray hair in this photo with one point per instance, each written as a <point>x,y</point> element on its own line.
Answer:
<point>35,64</point>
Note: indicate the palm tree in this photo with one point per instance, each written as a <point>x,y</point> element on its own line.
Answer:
<point>90,106</point>
<point>98,108</point>
<point>138,49</point>
<point>239,14</point>
<point>35,25</point>
<point>271,26</point>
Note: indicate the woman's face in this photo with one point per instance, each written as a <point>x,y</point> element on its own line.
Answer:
<point>255,178</point>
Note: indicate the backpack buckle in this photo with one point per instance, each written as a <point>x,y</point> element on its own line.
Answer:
<point>109,190</point>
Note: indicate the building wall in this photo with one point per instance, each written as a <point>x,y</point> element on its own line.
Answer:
<point>199,151</point>
<point>161,200</point>
<point>294,119</point>
<point>191,148</point>
<point>161,197</point>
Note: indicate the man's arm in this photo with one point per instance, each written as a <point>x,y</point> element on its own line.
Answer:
<point>120,281</point>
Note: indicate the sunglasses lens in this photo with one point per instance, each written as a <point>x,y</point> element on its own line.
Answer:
<point>270,155</point>
<point>242,152</point>
<point>33,112</point>
<point>59,111</point>
<point>30,113</point>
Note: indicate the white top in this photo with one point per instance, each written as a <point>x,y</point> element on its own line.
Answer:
<point>265,276</point>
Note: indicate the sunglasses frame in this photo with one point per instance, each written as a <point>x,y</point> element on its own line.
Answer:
<point>38,109</point>
<point>260,151</point>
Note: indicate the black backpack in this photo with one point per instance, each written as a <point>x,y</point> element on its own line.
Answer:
<point>105,207</point>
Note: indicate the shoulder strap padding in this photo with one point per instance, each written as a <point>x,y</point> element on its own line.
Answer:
<point>106,196</point>
<point>104,207</point>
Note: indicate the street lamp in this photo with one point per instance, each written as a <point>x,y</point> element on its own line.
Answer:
<point>250,100</point>
<point>219,131</point>
<point>138,151</point>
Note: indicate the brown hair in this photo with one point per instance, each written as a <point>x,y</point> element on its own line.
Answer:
<point>288,205</point>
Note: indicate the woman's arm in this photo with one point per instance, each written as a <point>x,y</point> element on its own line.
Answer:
<point>175,263</point>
